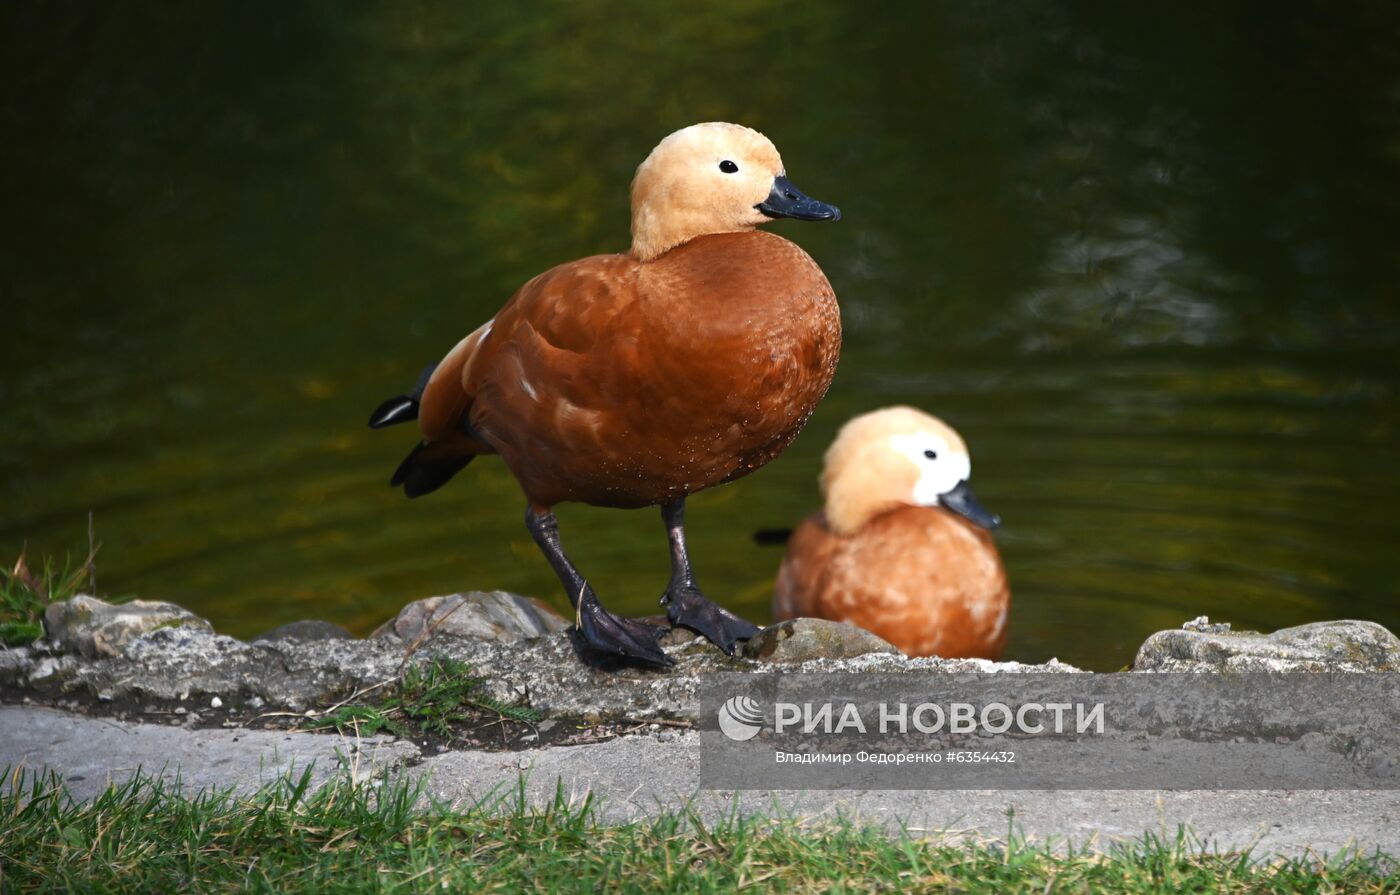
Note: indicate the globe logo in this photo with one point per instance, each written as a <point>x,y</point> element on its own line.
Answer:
<point>740,718</point>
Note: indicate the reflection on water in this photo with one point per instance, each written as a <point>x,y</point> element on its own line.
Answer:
<point>1143,260</point>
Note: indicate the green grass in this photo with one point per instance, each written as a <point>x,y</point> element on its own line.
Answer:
<point>429,698</point>
<point>25,593</point>
<point>290,837</point>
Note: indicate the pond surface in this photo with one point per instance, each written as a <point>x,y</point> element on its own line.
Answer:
<point>1145,261</point>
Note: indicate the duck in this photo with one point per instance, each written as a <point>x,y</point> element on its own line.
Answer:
<point>636,379</point>
<point>901,547</point>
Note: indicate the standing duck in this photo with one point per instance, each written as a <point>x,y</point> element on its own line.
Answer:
<point>637,379</point>
<point>902,547</point>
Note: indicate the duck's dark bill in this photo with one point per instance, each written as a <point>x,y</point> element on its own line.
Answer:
<point>787,201</point>
<point>962,501</point>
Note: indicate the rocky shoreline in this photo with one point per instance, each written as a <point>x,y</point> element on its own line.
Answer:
<point>158,661</point>
<point>149,661</point>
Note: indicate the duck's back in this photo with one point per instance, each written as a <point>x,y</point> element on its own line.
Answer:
<point>621,383</point>
<point>921,578</point>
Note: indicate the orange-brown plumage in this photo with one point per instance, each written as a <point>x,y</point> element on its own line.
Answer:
<point>624,383</point>
<point>637,379</point>
<point>885,556</point>
<point>922,578</point>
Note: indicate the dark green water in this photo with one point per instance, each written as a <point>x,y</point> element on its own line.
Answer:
<point>1146,261</point>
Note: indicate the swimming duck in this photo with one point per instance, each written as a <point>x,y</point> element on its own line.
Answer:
<point>902,547</point>
<point>637,379</point>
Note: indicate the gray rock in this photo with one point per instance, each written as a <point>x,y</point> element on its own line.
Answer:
<point>1352,646</point>
<point>1204,625</point>
<point>676,636</point>
<point>482,615</point>
<point>306,629</point>
<point>94,628</point>
<point>805,639</point>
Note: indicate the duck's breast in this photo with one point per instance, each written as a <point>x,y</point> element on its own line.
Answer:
<point>920,577</point>
<point>744,333</point>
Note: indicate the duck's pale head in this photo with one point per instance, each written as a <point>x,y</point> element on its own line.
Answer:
<point>894,457</point>
<point>713,178</point>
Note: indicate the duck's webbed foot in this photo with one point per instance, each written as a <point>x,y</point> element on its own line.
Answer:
<point>688,607</point>
<point>599,629</point>
<point>685,604</point>
<point>607,633</point>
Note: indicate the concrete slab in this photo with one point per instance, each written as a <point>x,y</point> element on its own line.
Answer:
<point>91,753</point>
<point>635,777</point>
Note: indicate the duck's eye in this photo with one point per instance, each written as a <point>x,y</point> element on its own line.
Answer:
<point>728,167</point>
<point>932,455</point>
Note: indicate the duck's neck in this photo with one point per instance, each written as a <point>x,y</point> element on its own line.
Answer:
<point>653,235</point>
<point>847,513</point>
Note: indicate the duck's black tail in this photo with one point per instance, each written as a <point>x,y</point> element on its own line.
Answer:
<point>772,537</point>
<point>402,408</point>
<point>428,466</point>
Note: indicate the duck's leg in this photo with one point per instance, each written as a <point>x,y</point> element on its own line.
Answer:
<point>685,604</point>
<point>601,630</point>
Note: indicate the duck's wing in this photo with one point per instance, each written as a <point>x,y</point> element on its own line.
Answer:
<point>549,323</point>
<point>528,357</point>
<point>565,346</point>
